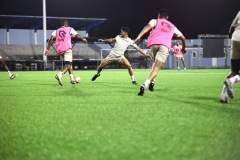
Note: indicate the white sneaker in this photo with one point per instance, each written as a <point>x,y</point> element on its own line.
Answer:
<point>223,98</point>
<point>229,88</point>
<point>185,69</point>
<point>178,69</point>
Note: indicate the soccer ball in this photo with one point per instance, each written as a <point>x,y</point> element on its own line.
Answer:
<point>77,78</point>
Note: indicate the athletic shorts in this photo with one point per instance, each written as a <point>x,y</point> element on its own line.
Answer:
<point>67,56</point>
<point>160,52</point>
<point>0,57</point>
<point>113,58</point>
<point>178,56</point>
<point>235,50</point>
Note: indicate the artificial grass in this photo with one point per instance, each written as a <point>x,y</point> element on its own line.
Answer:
<point>105,119</point>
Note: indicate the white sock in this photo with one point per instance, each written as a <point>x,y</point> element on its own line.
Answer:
<point>132,77</point>
<point>224,90</point>
<point>60,74</point>
<point>178,67</point>
<point>234,79</point>
<point>153,81</point>
<point>9,74</point>
<point>71,77</point>
<point>146,83</point>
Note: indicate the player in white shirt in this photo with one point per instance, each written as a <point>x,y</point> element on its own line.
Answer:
<point>3,63</point>
<point>233,77</point>
<point>122,42</point>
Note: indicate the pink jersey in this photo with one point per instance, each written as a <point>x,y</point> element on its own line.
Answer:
<point>63,39</point>
<point>161,34</point>
<point>177,51</point>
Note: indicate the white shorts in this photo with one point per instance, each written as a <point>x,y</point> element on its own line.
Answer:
<point>67,56</point>
<point>160,52</point>
<point>235,50</point>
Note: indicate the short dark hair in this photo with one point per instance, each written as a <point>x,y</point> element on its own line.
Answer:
<point>163,13</point>
<point>63,22</point>
<point>126,29</point>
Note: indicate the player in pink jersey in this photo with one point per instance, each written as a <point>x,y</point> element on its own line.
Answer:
<point>64,48</point>
<point>159,41</point>
<point>177,49</point>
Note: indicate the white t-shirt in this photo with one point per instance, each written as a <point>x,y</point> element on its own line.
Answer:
<point>236,25</point>
<point>153,23</point>
<point>121,45</point>
<point>72,32</point>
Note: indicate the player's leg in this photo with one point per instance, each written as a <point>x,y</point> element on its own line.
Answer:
<point>177,62</point>
<point>233,77</point>
<point>183,62</point>
<point>70,71</point>
<point>127,64</point>
<point>161,53</point>
<point>103,64</point>
<point>3,63</point>
<point>152,83</point>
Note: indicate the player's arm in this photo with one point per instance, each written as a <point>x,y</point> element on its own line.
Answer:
<point>141,51</point>
<point>144,31</point>
<point>80,37</point>
<point>178,34</point>
<point>109,40</point>
<point>50,41</point>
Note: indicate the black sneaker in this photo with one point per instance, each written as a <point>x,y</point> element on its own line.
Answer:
<point>72,82</point>
<point>95,77</point>
<point>151,87</point>
<point>13,76</point>
<point>134,82</point>
<point>141,91</point>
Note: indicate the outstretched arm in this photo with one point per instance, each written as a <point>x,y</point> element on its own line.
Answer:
<point>141,51</point>
<point>81,38</point>
<point>109,40</point>
<point>49,45</point>
<point>144,31</point>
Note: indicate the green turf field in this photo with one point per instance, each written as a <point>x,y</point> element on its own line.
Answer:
<point>106,120</point>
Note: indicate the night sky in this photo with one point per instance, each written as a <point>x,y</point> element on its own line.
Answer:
<point>192,17</point>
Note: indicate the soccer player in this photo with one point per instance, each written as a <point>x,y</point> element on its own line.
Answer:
<point>177,49</point>
<point>233,77</point>
<point>122,42</point>
<point>64,48</point>
<point>3,63</point>
<point>159,41</point>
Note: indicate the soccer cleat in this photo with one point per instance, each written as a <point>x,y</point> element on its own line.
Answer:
<point>13,76</point>
<point>223,98</point>
<point>141,91</point>
<point>185,69</point>
<point>134,82</point>
<point>59,80</point>
<point>151,87</point>
<point>72,82</point>
<point>229,88</point>
<point>95,77</point>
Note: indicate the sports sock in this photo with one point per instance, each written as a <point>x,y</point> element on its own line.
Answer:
<point>9,74</point>
<point>146,83</point>
<point>234,79</point>
<point>224,90</point>
<point>132,77</point>
<point>71,77</point>
<point>60,74</point>
<point>153,81</point>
